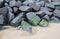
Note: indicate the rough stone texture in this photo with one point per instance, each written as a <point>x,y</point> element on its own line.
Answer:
<point>26,27</point>
<point>34,6</point>
<point>46,17</point>
<point>15,9</point>
<point>56,3</point>
<point>46,11</point>
<point>17,20</point>
<point>4,13</point>
<point>12,3</point>
<point>10,16</point>
<point>1,2</point>
<point>40,14</point>
<point>54,20</point>
<point>1,19</point>
<point>18,3</point>
<point>24,8</point>
<point>43,23</point>
<point>57,13</point>
<point>55,0</point>
<point>33,18</point>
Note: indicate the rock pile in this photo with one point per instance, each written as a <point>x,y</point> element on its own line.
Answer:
<point>28,13</point>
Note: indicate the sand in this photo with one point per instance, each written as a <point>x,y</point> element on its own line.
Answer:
<point>50,32</point>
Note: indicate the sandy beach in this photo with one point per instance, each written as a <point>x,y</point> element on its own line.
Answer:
<point>50,32</point>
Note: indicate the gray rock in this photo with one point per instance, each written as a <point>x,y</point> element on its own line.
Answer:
<point>8,0</point>
<point>50,1</point>
<point>57,7</point>
<point>1,2</point>
<point>50,9</point>
<point>9,9</point>
<point>18,3</point>
<point>33,18</point>
<point>40,14</point>
<point>10,16</point>
<point>34,6</point>
<point>1,20</point>
<point>6,4</point>
<point>45,10</point>
<point>56,13</point>
<point>26,26</point>
<point>46,17</point>
<point>49,5</point>
<point>45,1</point>
<point>43,23</point>
<point>17,20</point>
<point>24,8</point>
<point>27,2</point>
<point>4,12</point>
<point>56,3</point>
<point>12,3</point>
<point>41,3</point>
<point>21,0</point>
<point>15,9</point>
<point>19,27</point>
<point>55,0</point>
<point>54,20</point>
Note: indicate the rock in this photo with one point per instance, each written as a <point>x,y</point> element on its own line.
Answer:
<point>50,1</point>
<point>4,13</point>
<point>27,2</point>
<point>45,1</point>
<point>1,20</point>
<point>19,27</point>
<point>55,0</point>
<point>1,2</point>
<point>34,6</point>
<point>46,17</point>
<point>9,9</point>
<point>15,9</point>
<point>17,20</point>
<point>43,23</point>
<point>57,7</point>
<point>10,16</point>
<point>8,0</point>
<point>45,10</point>
<point>12,3</point>
<point>54,20</point>
<point>49,5</point>
<point>18,3</point>
<point>40,14</point>
<point>57,13</point>
<point>24,8</point>
<point>22,0</point>
<point>56,3</point>
<point>26,26</point>
<point>41,3</point>
<point>50,9</point>
<point>6,4</point>
<point>33,18</point>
